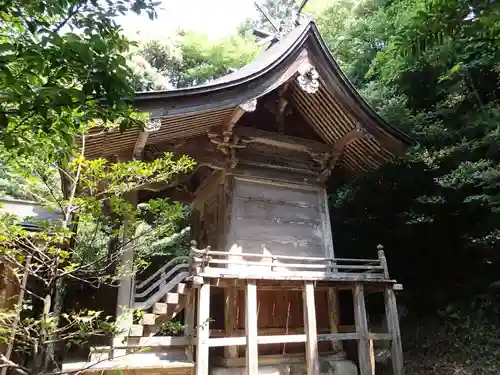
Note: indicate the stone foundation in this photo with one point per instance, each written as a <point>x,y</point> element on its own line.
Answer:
<point>336,364</point>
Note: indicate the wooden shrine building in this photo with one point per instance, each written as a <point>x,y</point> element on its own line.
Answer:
<point>259,290</point>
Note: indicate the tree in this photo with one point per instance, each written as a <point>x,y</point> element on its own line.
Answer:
<point>62,65</point>
<point>191,59</point>
<point>62,73</point>
<point>74,247</point>
<point>431,68</point>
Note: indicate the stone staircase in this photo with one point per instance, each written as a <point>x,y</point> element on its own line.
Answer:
<point>167,308</point>
<point>161,297</point>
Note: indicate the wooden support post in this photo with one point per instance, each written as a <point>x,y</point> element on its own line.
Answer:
<point>203,330</point>
<point>372,356</point>
<point>251,328</point>
<point>391,311</point>
<point>230,311</point>
<point>333,317</point>
<point>189,320</point>
<point>126,289</point>
<point>312,356</point>
<point>365,367</point>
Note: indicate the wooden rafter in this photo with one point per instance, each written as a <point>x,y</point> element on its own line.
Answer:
<point>151,126</point>
<point>142,139</point>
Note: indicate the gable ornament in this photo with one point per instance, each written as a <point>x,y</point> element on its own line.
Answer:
<point>308,78</point>
<point>249,106</point>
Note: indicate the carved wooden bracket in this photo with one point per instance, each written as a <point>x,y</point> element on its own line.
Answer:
<point>225,139</point>
<point>329,160</point>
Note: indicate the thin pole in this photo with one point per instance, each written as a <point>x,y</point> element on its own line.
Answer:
<point>19,308</point>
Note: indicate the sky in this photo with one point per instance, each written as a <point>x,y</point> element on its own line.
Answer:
<point>216,18</point>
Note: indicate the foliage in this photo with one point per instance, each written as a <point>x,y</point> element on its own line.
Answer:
<point>190,59</point>
<point>431,68</point>
<point>62,65</point>
<point>64,248</point>
<point>63,74</point>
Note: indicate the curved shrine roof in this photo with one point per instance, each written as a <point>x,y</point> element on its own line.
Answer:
<point>334,111</point>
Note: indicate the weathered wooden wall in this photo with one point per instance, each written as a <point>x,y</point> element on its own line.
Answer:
<point>276,220</point>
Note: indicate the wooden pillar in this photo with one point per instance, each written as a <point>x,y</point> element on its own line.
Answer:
<point>391,311</point>
<point>230,316</point>
<point>365,367</point>
<point>189,322</point>
<point>333,317</point>
<point>125,294</point>
<point>312,356</point>
<point>203,330</point>
<point>251,325</point>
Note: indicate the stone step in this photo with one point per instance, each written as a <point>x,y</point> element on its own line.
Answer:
<point>160,308</point>
<point>171,348</point>
<point>182,289</point>
<point>136,330</point>
<point>148,319</point>
<point>171,298</point>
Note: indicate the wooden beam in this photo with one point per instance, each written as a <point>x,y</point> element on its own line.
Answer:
<point>198,148</point>
<point>312,356</point>
<point>142,139</point>
<point>230,311</point>
<point>203,330</point>
<point>274,339</point>
<point>391,311</point>
<point>282,141</point>
<point>365,367</point>
<point>251,327</point>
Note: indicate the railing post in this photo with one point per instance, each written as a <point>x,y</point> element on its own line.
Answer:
<point>251,328</point>
<point>203,330</point>
<point>383,260</point>
<point>312,356</point>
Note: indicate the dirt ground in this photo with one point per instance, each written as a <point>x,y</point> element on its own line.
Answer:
<point>438,366</point>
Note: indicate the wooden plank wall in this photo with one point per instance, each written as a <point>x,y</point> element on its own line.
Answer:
<point>276,220</point>
<point>281,311</point>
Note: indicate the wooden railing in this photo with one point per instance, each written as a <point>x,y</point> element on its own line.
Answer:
<point>151,290</point>
<point>206,262</point>
<point>209,263</point>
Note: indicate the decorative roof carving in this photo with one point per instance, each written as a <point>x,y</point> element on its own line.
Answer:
<point>308,78</point>
<point>153,125</point>
<point>249,106</point>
